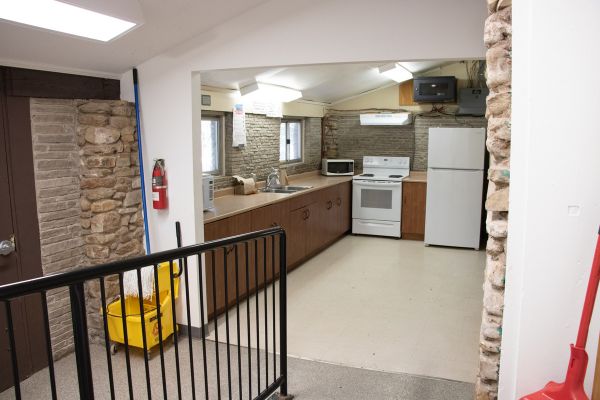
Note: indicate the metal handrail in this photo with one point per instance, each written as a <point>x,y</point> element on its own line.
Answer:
<point>74,280</point>
<point>60,279</point>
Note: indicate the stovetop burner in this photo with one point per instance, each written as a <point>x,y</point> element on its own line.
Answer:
<point>396,176</point>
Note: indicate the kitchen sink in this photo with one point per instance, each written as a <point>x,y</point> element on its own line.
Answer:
<point>284,189</point>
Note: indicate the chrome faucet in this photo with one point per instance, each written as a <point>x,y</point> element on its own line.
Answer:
<point>273,178</point>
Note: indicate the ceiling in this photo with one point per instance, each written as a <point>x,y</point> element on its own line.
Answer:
<point>164,25</point>
<point>326,83</point>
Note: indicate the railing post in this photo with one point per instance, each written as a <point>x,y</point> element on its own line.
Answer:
<point>82,345</point>
<point>283,393</point>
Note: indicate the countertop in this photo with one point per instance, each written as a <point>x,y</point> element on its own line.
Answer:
<point>229,205</point>
<point>416,176</point>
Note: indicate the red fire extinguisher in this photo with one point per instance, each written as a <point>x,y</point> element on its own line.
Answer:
<point>159,185</point>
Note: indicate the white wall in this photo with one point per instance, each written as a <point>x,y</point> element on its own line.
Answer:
<point>225,100</point>
<point>555,191</point>
<point>389,97</point>
<point>282,32</point>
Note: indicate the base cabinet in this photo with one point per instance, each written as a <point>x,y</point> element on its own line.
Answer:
<point>414,195</point>
<point>225,278</point>
<point>312,222</point>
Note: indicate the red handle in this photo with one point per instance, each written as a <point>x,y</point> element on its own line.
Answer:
<point>590,298</point>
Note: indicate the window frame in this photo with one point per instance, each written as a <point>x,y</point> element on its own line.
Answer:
<point>220,118</point>
<point>287,134</point>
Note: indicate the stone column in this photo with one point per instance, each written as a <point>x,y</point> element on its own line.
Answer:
<point>497,38</point>
<point>111,210</point>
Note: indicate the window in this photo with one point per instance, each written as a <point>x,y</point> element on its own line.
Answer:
<point>290,141</point>
<point>211,145</point>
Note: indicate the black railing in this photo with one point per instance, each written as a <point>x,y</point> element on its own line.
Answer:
<point>205,376</point>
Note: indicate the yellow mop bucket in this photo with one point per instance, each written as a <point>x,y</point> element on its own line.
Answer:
<point>133,314</point>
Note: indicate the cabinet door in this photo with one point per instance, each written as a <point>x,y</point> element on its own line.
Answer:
<point>414,196</point>
<point>325,222</point>
<point>222,262</point>
<point>264,218</point>
<point>314,227</point>
<point>296,236</point>
<point>343,203</point>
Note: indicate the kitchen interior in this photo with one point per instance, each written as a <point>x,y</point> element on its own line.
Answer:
<point>376,171</point>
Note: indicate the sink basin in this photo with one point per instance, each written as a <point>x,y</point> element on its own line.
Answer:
<point>294,188</point>
<point>275,190</point>
<point>284,189</point>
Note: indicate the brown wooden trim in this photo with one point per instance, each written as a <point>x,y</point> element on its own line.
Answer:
<point>20,82</point>
<point>413,236</point>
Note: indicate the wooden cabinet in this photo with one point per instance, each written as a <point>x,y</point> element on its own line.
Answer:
<point>414,196</point>
<point>326,225</point>
<point>267,250</point>
<point>333,213</point>
<point>312,221</point>
<point>406,90</point>
<point>222,262</point>
<point>302,232</point>
<point>344,207</point>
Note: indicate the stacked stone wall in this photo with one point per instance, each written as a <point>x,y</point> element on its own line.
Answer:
<point>88,197</point>
<point>56,166</point>
<point>261,152</point>
<point>111,209</point>
<point>497,38</point>
<point>345,137</point>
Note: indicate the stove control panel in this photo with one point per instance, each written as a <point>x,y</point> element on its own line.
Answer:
<point>386,162</point>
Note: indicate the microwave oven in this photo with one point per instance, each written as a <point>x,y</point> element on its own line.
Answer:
<point>335,167</point>
<point>208,191</point>
<point>434,89</point>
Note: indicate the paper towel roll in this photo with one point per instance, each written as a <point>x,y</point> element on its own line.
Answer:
<point>245,185</point>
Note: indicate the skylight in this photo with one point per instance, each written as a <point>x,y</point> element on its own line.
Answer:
<point>62,17</point>
<point>396,72</point>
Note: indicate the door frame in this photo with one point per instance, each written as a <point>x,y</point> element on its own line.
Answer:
<point>17,87</point>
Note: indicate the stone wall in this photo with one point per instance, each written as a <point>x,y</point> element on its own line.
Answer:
<point>88,198</point>
<point>344,137</point>
<point>261,152</point>
<point>56,166</point>
<point>111,206</point>
<point>497,38</point>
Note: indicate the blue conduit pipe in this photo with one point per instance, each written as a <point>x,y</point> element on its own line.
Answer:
<point>141,158</point>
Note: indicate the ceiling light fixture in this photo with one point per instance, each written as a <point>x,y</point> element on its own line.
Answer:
<point>265,91</point>
<point>61,17</point>
<point>396,72</point>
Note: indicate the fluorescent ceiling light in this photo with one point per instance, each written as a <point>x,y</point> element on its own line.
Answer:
<point>396,72</point>
<point>265,91</point>
<point>62,17</point>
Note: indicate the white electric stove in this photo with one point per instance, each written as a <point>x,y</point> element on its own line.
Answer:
<point>377,196</point>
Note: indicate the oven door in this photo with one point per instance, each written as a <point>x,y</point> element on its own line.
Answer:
<point>376,200</point>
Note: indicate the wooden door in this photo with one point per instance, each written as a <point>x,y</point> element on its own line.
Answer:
<point>224,262</point>
<point>343,204</point>
<point>18,219</point>
<point>414,195</point>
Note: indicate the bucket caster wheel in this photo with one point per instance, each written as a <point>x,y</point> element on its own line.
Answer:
<point>114,348</point>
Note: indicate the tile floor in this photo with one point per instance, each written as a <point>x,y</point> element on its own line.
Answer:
<point>386,305</point>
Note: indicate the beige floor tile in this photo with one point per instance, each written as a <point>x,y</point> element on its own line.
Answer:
<point>384,304</point>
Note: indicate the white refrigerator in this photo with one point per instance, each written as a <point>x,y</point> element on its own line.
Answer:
<point>455,187</point>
